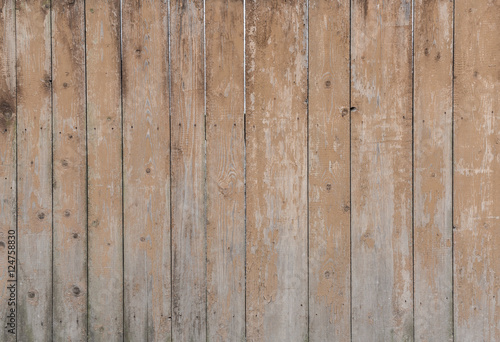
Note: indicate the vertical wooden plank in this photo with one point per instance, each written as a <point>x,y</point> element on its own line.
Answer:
<point>34,84</point>
<point>104,146</point>
<point>70,172</point>
<point>433,78</point>
<point>7,169</point>
<point>477,171</point>
<point>146,159</point>
<point>225,170</point>
<point>329,171</point>
<point>381,142</point>
<point>276,130</point>
<point>188,171</point>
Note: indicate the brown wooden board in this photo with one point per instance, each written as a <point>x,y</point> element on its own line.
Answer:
<point>329,171</point>
<point>381,166</point>
<point>189,288</point>
<point>276,169</point>
<point>476,193</point>
<point>34,165</point>
<point>225,170</point>
<point>432,146</point>
<point>104,148</point>
<point>146,164</point>
<point>70,172</point>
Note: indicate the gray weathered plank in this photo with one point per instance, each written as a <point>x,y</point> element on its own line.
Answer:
<point>276,128</point>
<point>225,171</point>
<point>433,78</point>
<point>329,171</point>
<point>34,165</point>
<point>188,171</point>
<point>146,164</point>
<point>104,148</point>
<point>381,143</point>
<point>477,171</point>
<point>70,172</point>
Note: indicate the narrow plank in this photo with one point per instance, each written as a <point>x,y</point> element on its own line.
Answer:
<point>146,159</point>
<point>104,155</point>
<point>225,170</point>
<point>34,165</point>
<point>477,171</point>
<point>276,128</point>
<point>381,145</point>
<point>188,171</point>
<point>329,171</point>
<point>7,168</point>
<point>433,78</point>
<point>70,172</point>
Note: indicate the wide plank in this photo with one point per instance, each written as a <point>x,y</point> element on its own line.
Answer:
<point>276,161</point>
<point>225,170</point>
<point>146,165</point>
<point>476,177</point>
<point>381,166</point>
<point>34,165</point>
<point>329,171</point>
<point>188,191</point>
<point>70,172</point>
<point>432,146</point>
<point>104,153</point>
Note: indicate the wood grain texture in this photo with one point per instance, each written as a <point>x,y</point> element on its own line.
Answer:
<point>225,170</point>
<point>104,145</point>
<point>34,165</point>
<point>381,142</point>
<point>477,171</point>
<point>7,163</point>
<point>433,78</point>
<point>70,172</point>
<point>329,168</point>
<point>276,128</point>
<point>188,171</point>
<point>146,163</point>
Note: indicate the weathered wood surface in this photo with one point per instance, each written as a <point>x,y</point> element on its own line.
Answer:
<point>476,190</point>
<point>225,170</point>
<point>381,165</point>
<point>276,169</point>
<point>329,171</point>
<point>188,191</point>
<point>34,165</point>
<point>433,79</point>
<point>146,163</point>
<point>104,148</point>
<point>356,199</point>
<point>70,172</point>
<point>7,162</point>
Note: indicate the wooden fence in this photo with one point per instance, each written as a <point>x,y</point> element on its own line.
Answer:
<point>280,170</point>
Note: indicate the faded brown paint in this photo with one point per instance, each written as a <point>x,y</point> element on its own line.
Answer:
<point>7,159</point>
<point>188,171</point>
<point>433,61</point>
<point>146,163</point>
<point>70,172</point>
<point>225,171</point>
<point>276,128</point>
<point>34,167</point>
<point>381,145</point>
<point>477,171</point>
<point>329,163</point>
<point>104,140</point>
